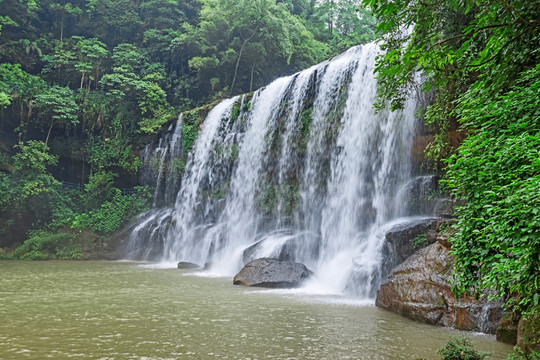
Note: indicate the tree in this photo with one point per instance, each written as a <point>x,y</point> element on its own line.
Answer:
<point>19,88</point>
<point>229,34</point>
<point>136,81</point>
<point>342,24</point>
<point>326,12</point>
<point>59,63</point>
<point>161,14</point>
<point>117,20</point>
<point>58,104</point>
<point>18,24</point>
<point>25,192</point>
<point>91,54</point>
<point>63,9</point>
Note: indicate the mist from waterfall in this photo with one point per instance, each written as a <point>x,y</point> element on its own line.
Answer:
<point>303,169</point>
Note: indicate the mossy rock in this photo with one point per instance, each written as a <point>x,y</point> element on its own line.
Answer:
<point>528,331</point>
<point>507,331</point>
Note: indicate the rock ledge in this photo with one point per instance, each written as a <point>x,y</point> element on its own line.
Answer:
<point>420,289</point>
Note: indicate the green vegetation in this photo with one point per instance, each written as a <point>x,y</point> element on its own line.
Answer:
<point>481,58</point>
<point>273,199</point>
<point>31,195</point>
<point>497,168</point>
<point>520,354</point>
<point>460,349</point>
<point>306,118</point>
<point>420,241</point>
<point>42,245</point>
<point>84,83</point>
<point>221,191</point>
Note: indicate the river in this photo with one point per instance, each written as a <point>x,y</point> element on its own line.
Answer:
<point>126,310</point>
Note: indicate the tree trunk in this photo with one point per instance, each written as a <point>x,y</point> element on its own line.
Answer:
<point>29,113</point>
<point>251,80</point>
<point>49,132</point>
<point>62,21</point>
<point>331,18</point>
<point>240,56</point>
<point>237,64</point>
<point>82,140</point>
<point>96,80</point>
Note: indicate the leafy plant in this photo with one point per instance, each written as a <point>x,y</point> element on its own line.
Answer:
<point>306,118</point>
<point>497,168</point>
<point>114,212</point>
<point>480,60</point>
<point>58,103</point>
<point>42,245</point>
<point>420,241</point>
<point>28,191</point>
<point>190,129</point>
<point>520,354</point>
<point>460,349</point>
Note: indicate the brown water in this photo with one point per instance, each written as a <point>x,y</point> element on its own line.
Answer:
<point>115,310</point>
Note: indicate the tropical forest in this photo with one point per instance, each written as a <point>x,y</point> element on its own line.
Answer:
<point>367,171</point>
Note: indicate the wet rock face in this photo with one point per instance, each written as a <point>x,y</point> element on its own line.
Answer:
<point>508,330</point>
<point>285,252</point>
<point>399,242</point>
<point>528,336</point>
<point>272,273</point>
<point>420,289</point>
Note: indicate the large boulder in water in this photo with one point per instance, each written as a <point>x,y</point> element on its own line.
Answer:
<point>188,265</point>
<point>272,273</point>
<point>420,289</point>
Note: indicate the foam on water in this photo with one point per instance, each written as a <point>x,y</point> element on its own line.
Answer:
<point>305,169</point>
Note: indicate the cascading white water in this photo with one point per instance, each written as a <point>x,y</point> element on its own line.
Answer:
<point>158,167</point>
<point>184,240</point>
<point>305,169</point>
<point>363,182</point>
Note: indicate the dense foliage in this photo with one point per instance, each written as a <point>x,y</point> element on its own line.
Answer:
<point>498,169</point>
<point>481,58</point>
<point>31,195</point>
<point>84,83</point>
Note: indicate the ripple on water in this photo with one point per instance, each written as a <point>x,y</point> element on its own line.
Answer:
<point>104,310</point>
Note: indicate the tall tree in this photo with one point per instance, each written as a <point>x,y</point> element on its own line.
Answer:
<point>64,9</point>
<point>228,30</point>
<point>57,104</point>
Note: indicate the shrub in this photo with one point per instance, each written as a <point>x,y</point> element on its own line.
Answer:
<point>420,241</point>
<point>114,213</point>
<point>42,245</point>
<point>460,349</point>
<point>519,354</point>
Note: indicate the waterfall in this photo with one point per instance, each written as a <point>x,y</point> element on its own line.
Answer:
<point>159,165</point>
<point>303,169</point>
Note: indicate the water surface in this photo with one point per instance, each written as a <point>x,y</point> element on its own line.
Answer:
<point>116,310</point>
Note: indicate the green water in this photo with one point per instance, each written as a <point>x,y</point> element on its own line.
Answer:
<point>115,310</point>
